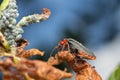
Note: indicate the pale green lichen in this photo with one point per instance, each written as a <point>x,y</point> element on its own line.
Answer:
<point>8,23</point>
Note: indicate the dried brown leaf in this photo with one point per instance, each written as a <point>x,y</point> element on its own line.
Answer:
<point>63,56</point>
<point>83,70</point>
<point>31,52</point>
<point>46,11</point>
<point>21,52</point>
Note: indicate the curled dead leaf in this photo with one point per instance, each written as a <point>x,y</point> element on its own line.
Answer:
<point>32,52</point>
<point>21,52</point>
<point>83,70</point>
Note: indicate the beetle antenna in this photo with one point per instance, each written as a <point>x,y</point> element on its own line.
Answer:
<point>53,51</point>
<point>68,47</point>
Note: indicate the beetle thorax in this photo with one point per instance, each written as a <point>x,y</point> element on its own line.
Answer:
<point>63,42</point>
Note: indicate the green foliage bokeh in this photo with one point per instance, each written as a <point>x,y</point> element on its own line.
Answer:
<point>116,74</point>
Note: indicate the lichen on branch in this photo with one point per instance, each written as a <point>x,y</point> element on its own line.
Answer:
<point>11,34</point>
<point>35,18</point>
<point>9,27</point>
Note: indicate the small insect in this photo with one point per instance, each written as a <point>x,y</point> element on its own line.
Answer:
<point>75,47</point>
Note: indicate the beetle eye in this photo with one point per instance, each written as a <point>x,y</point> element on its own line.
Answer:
<point>61,42</point>
<point>64,40</point>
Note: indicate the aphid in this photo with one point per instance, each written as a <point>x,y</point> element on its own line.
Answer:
<point>75,47</point>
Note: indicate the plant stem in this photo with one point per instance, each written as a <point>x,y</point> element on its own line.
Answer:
<point>4,42</point>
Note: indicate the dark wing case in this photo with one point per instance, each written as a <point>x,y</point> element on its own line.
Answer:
<point>79,46</point>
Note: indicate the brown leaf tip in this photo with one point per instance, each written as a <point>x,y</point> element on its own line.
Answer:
<point>46,11</point>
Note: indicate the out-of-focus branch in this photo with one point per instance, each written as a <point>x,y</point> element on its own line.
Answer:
<point>32,69</point>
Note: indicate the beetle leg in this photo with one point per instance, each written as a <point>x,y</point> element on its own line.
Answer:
<point>53,50</point>
<point>63,47</point>
<point>68,47</point>
<point>75,59</point>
